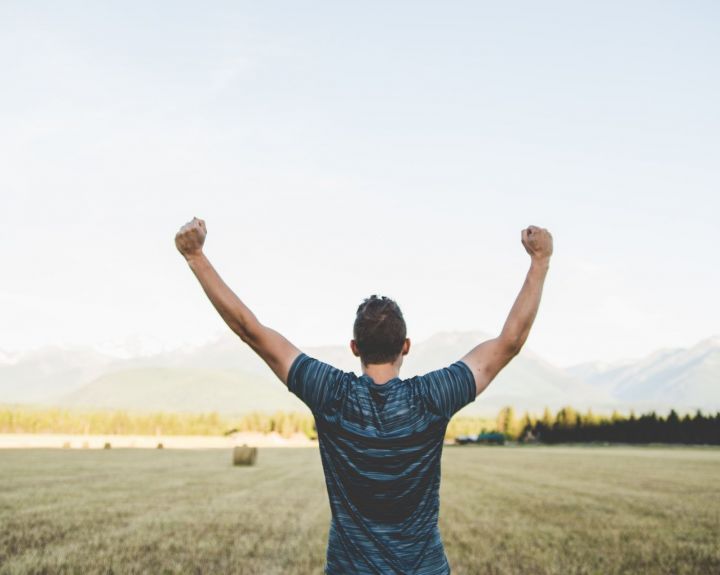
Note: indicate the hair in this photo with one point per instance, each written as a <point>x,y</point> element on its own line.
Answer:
<point>379,330</point>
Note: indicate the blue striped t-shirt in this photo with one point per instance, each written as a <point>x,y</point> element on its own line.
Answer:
<point>380,446</point>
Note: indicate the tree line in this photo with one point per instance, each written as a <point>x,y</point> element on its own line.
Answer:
<point>570,426</point>
<point>118,422</point>
<point>567,425</point>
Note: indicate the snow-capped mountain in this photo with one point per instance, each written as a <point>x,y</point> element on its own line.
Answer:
<point>224,375</point>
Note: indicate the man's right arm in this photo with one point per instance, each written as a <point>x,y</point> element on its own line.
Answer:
<point>488,358</point>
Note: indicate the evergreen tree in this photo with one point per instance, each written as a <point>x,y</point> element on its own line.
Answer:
<point>506,423</point>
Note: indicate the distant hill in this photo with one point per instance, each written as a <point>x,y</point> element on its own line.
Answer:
<point>185,390</point>
<point>227,377</point>
<point>685,378</point>
<point>50,372</point>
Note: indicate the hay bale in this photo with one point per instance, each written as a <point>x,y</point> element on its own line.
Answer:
<point>86,445</point>
<point>160,446</point>
<point>66,445</point>
<point>244,455</point>
<point>107,445</point>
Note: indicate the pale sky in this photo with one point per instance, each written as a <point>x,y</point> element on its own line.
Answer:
<point>337,150</point>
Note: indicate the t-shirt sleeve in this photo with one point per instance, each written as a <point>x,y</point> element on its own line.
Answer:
<point>449,389</point>
<point>319,385</point>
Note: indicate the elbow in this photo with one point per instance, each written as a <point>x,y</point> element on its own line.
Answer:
<point>514,350</point>
<point>238,329</point>
<point>244,335</point>
<point>511,346</point>
<point>247,334</point>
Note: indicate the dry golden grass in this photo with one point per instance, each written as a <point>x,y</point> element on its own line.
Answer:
<point>539,510</point>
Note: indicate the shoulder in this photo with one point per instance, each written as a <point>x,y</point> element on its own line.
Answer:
<point>458,370</point>
<point>298,361</point>
<point>448,389</point>
<point>307,369</point>
<point>304,361</point>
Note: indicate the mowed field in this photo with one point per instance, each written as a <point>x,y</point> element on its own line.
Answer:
<point>530,510</point>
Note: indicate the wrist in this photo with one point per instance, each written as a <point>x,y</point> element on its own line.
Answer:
<point>540,263</point>
<point>194,258</point>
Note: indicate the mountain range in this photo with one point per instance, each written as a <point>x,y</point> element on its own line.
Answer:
<point>226,376</point>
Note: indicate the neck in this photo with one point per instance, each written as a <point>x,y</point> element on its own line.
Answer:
<point>381,372</point>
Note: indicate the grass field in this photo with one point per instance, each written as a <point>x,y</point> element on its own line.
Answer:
<point>529,510</point>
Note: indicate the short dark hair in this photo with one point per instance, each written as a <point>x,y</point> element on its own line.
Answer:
<point>379,330</point>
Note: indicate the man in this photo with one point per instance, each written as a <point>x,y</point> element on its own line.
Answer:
<point>380,436</point>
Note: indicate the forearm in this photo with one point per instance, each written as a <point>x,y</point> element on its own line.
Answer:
<point>523,312</point>
<point>233,311</point>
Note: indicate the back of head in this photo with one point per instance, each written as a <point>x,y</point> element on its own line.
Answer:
<point>379,330</point>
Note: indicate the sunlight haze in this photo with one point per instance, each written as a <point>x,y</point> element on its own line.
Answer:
<point>338,150</point>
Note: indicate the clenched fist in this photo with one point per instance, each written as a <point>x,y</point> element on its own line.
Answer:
<point>191,237</point>
<point>538,242</point>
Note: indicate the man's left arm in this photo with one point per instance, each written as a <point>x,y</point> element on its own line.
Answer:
<point>271,346</point>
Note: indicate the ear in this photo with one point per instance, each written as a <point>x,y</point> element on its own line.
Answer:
<point>406,346</point>
<point>354,348</point>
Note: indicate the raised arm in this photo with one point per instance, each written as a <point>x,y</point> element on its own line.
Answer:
<point>272,347</point>
<point>488,358</point>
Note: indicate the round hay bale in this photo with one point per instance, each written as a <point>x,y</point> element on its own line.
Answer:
<point>244,455</point>
<point>86,445</point>
<point>160,446</point>
<point>66,445</point>
<point>107,445</point>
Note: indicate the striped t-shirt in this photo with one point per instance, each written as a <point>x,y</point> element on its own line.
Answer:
<point>380,446</point>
